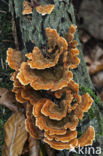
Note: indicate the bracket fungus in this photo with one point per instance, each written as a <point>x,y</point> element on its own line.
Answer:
<point>54,74</point>
<point>44,9</point>
<point>41,9</point>
<point>87,138</point>
<point>14,58</point>
<point>27,9</point>
<point>45,83</point>
<point>36,59</point>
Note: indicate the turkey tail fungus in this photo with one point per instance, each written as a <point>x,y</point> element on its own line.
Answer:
<point>45,83</point>
<point>41,9</point>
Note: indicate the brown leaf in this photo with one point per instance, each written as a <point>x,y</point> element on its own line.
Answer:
<point>15,135</point>
<point>98,80</point>
<point>7,98</point>
<point>95,67</point>
<point>96,53</point>
<point>34,147</point>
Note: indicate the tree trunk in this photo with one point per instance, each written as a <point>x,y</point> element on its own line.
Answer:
<point>30,32</point>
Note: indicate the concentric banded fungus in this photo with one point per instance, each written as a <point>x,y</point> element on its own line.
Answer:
<point>17,87</point>
<point>84,106</point>
<point>16,82</point>
<point>18,95</point>
<point>44,9</point>
<point>30,124</point>
<point>47,79</point>
<point>70,34</point>
<point>54,104</point>
<point>14,58</point>
<point>73,60</point>
<point>69,121</point>
<point>59,145</point>
<point>55,40</point>
<point>27,9</point>
<point>87,138</point>
<point>72,96</point>
<point>30,95</point>
<point>70,135</point>
<point>54,129</point>
<point>53,111</point>
<point>53,126</point>
<point>37,60</point>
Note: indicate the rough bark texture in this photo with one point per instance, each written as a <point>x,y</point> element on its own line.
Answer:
<point>31,32</point>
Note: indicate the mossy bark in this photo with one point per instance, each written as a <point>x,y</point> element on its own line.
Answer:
<point>31,32</point>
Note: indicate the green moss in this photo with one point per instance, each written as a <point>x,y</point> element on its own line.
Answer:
<point>79,133</point>
<point>91,113</point>
<point>100,122</point>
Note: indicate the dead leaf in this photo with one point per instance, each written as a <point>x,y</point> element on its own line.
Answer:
<point>98,80</point>
<point>95,67</point>
<point>34,147</point>
<point>7,98</point>
<point>15,135</point>
<point>96,53</point>
<point>88,60</point>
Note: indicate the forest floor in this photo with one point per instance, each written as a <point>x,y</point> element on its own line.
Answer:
<point>92,48</point>
<point>6,40</point>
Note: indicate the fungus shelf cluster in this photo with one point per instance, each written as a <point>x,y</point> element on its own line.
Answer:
<point>41,9</point>
<point>45,84</point>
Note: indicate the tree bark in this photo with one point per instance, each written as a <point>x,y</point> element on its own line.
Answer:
<point>30,32</point>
